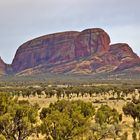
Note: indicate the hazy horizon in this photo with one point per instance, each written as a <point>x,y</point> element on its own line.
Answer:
<point>25,20</point>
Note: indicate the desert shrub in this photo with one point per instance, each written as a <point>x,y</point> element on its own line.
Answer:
<point>66,119</point>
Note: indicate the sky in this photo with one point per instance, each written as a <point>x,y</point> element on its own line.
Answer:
<point>22,20</point>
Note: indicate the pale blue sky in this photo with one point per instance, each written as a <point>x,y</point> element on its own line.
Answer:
<point>22,20</point>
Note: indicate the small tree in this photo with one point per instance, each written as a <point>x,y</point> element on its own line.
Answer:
<point>17,118</point>
<point>106,115</point>
<point>130,109</point>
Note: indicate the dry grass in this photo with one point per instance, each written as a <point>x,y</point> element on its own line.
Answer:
<point>126,120</point>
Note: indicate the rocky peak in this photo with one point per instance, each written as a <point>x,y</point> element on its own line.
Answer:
<point>125,55</point>
<point>92,41</point>
<point>122,50</point>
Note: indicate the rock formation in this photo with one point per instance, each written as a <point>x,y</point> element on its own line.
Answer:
<point>56,49</point>
<point>87,52</point>
<point>2,67</point>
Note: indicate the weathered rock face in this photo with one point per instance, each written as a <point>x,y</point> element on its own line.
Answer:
<point>84,52</point>
<point>124,55</point>
<point>2,67</point>
<point>91,41</point>
<point>51,49</point>
<point>59,48</point>
<point>118,58</point>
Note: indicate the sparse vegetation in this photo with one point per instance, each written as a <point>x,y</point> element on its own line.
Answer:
<point>61,112</point>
